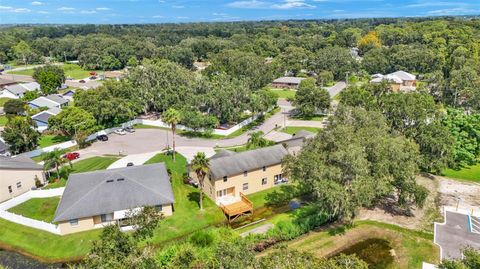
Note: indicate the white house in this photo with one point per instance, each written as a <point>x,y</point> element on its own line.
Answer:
<point>18,90</point>
<point>41,119</point>
<point>52,100</point>
<point>399,81</point>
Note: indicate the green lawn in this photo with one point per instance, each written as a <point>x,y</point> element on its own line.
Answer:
<point>49,140</point>
<point>3,100</point>
<point>87,165</point>
<point>44,245</point>
<point>469,173</point>
<point>292,130</point>
<point>283,93</point>
<point>71,70</point>
<point>37,208</point>
<point>411,247</point>
<point>3,120</point>
<point>187,216</point>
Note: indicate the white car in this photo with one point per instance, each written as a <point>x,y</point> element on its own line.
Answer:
<point>120,132</point>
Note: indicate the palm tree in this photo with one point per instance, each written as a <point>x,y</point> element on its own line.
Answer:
<point>53,159</point>
<point>200,164</point>
<point>256,140</point>
<point>172,117</point>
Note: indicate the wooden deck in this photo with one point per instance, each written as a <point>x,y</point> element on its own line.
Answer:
<point>233,211</point>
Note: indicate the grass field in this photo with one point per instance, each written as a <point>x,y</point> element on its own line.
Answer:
<point>469,173</point>
<point>87,165</point>
<point>49,140</point>
<point>292,130</point>
<point>3,120</point>
<point>3,100</point>
<point>37,208</point>
<point>411,247</point>
<point>71,70</point>
<point>283,93</point>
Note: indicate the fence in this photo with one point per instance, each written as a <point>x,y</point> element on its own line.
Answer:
<point>37,224</point>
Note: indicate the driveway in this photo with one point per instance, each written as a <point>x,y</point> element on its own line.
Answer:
<point>455,234</point>
<point>136,159</point>
<point>337,88</point>
<point>150,140</point>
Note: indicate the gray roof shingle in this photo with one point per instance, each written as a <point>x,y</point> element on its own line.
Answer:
<point>246,161</point>
<point>289,80</point>
<point>100,192</point>
<point>19,162</point>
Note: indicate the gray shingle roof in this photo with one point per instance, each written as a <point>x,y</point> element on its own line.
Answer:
<point>42,116</point>
<point>19,162</point>
<point>57,98</point>
<point>52,100</point>
<point>16,89</point>
<point>246,161</point>
<point>92,193</point>
<point>289,80</point>
<point>222,153</point>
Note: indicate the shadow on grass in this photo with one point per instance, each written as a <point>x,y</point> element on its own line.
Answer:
<point>195,197</point>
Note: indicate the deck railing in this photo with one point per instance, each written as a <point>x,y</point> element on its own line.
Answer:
<point>246,200</point>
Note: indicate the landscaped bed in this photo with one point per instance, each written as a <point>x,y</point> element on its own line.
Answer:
<point>37,208</point>
<point>469,173</point>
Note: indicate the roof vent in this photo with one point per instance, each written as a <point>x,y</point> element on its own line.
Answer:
<point>121,179</point>
<point>110,180</point>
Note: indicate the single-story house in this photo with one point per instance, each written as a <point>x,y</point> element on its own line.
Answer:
<point>287,82</point>
<point>295,144</point>
<point>95,199</point>
<point>52,100</point>
<point>232,175</point>
<point>41,118</point>
<point>18,175</point>
<point>400,81</point>
<point>69,94</point>
<point>17,91</point>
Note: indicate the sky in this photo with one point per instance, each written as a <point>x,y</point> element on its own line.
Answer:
<point>178,11</point>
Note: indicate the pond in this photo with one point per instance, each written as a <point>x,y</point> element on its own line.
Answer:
<point>376,252</point>
<point>13,260</point>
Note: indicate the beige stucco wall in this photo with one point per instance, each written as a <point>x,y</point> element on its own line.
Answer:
<point>253,178</point>
<point>10,177</point>
<point>84,224</point>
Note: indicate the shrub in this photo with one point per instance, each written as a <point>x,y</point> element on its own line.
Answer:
<point>201,239</point>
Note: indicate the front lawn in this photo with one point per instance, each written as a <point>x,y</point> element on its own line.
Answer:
<point>469,173</point>
<point>187,217</point>
<point>50,140</point>
<point>283,93</point>
<point>293,130</point>
<point>3,120</point>
<point>37,208</point>
<point>3,100</point>
<point>71,71</point>
<point>87,165</point>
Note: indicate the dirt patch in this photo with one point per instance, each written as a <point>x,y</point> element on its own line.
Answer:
<point>442,192</point>
<point>414,217</point>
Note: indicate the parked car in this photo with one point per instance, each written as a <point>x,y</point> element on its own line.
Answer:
<point>190,181</point>
<point>120,132</point>
<point>72,156</point>
<point>102,138</point>
<point>82,81</point>
<point>129,129</point>
<point>129,164</point>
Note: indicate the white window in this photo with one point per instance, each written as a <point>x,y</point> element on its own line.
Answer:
<point>74,222</point>
<point>19,185</point>
<point>245,186</point>
<point>264,181</point>
<point>221,193</point>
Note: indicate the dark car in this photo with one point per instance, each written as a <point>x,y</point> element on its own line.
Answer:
<point>129,129</point>
<point>190,181</point>
<point>72,156</point>
<point>102,138</point>
<point>82,81</point>
<point>129,164</point>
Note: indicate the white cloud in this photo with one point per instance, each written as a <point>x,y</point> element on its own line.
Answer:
<point>66,8</point>
<point>21,10</point>
<point>175,6</point>
<point>158,16</point>
<point>452,11</point>
<point>36,3</point>
<point>43,12</point>
<point>88,12</point>
<point>284,4</point>
<point>433,4</point>
<point>181,17</point>
<point>102,8</point>
<point>5,8</point>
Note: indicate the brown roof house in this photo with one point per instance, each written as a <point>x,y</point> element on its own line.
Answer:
<point>287,82</point>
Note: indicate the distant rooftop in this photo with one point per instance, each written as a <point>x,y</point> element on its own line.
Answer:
<point>19,162</point>
<point>288,80</point>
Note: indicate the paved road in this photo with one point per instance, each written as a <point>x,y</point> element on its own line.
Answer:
<point>337,88</point>
<point>149,140</point>
<point>17,78</point>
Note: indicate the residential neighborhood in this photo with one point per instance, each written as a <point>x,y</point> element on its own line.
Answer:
<point>269,143</point>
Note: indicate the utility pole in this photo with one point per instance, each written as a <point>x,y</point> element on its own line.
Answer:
<point>346,77</point>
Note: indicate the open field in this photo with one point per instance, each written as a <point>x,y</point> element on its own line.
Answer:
<point>283,93</point>
<point>37,208</point>
<point>410,247</point>
<point>71,71</point>
<point>469,173</point>
<point>50,140</point>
